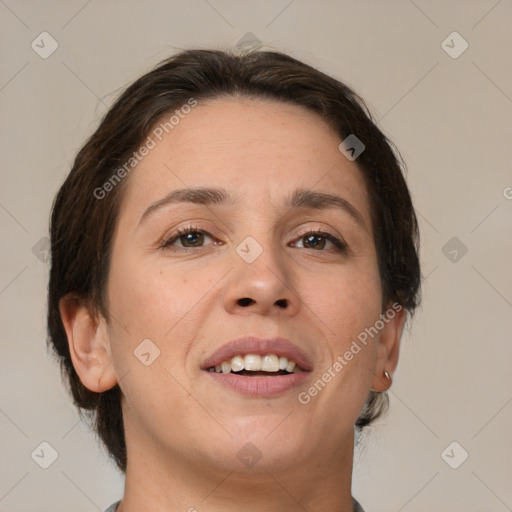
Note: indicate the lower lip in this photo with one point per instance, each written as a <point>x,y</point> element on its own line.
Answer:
<point>260,387</point>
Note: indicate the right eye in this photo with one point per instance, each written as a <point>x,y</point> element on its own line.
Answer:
<point>187,238</point>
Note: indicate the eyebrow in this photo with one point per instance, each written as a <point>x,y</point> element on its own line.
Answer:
<point>198,195</point>
<point>219,196</point>
<point>323,201</point>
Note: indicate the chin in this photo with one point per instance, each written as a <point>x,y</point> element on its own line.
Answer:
<point>265,443</point>
<point>252,458</point>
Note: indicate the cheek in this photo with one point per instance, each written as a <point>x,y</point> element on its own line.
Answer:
<point>163,305</point>
<point>151,300</point>
<point>161,302</point>
<point>346,301</point>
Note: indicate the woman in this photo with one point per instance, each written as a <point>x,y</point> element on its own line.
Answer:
<point>234,254</point>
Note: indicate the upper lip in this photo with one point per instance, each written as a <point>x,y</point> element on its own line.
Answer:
<point>281,347</point>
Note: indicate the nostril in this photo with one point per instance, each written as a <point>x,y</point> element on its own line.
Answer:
<point>282,303</point>
<point>246,301</point>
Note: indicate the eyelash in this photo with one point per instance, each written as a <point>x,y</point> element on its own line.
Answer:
<point>166,243</point>
<point>339,244</point>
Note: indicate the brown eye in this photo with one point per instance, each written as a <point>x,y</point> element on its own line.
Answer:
<point>192,239</point>
<point>318,240</point>
<point>314,241</point>
<point>188,238</point>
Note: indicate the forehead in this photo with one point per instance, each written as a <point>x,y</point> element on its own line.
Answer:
<point>252,147</point>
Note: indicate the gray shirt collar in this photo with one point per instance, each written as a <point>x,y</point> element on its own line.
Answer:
<point>357,507</point>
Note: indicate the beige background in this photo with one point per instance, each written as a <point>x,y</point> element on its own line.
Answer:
<point>450,117</point>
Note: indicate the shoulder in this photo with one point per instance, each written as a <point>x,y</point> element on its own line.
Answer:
<point>113,507</point>
<point>357,506</point>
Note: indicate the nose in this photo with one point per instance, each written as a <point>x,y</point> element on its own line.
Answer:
<point>262,287</point>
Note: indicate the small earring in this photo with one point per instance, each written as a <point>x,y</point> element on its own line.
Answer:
<point>386,374</point>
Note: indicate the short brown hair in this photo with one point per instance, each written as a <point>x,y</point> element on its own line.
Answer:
<point>82,225</point>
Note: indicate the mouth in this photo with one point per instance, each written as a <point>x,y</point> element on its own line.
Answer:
<point>255,365</point>
<point>259,367</point>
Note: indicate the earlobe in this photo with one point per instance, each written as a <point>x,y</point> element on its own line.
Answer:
<point>388,347</point>
<point>89,344</point>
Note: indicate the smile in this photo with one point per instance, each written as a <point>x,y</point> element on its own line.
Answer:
<point>257,365</point>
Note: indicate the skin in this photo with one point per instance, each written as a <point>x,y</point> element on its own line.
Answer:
<point>183,431</point>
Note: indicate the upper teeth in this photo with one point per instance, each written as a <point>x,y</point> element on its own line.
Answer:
<point>256,363</point>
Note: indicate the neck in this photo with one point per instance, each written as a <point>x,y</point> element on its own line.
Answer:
<point>171,484</point>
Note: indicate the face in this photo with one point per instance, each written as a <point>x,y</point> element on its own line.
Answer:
<point>276,256</point>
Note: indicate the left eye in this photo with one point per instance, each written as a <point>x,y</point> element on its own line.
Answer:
<point>188,238</point>
<point>318,240</point>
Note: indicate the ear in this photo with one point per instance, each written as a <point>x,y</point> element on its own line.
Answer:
<point>388,346</point>
<point>89,344</point>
